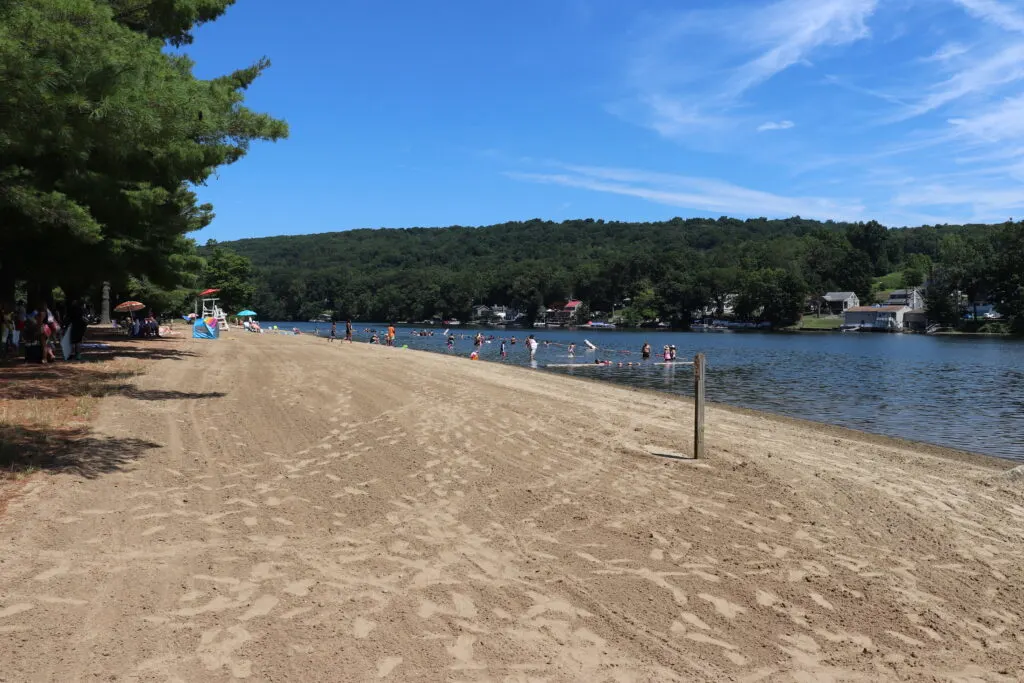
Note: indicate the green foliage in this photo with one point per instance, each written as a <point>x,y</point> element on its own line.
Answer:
<point>1007,278</point>
<point>916,269</point>
<point>163,302</point>
<point>103,132</point>
<point>671,270</point>
<point>232,275</point>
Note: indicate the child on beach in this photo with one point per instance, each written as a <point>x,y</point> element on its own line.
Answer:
<point>334,331</point>
<point>572,350</point>
<point>504,352</point>
<point>348,331</point>
<point>667,354</point>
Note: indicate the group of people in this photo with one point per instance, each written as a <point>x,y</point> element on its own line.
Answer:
<point>348,332</point>
<point>39,329</point>
<point>141,327</point>
<point>252,326</point>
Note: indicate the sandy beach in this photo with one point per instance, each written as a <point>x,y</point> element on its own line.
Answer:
<point>285,509</point>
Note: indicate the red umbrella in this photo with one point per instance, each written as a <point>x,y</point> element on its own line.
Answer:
<point>208,291</point>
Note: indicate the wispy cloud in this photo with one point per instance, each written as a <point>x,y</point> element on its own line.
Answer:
<point>1005,121</point>
<point>680,92</point>
<point>775,125</point>
<point>947,52</point>
<point>1004,67</point>
<point>995,12</point>
<point>792,30</point>
<point>694,193</point>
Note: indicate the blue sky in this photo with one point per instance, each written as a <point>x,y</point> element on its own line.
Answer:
<point>424,114</point>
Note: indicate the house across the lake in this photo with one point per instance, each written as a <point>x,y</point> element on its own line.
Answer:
<point>876,318</point>
<point>564,315</point>
<point>906,297</point>
<point>837,302</point>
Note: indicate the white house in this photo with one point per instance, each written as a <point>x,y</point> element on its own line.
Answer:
<point>876,318</point>
<point>906,297</point>
<point>837,302</point>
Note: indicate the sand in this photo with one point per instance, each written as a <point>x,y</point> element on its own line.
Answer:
<point>308,511</point>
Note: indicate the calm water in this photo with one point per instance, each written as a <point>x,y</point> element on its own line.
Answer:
<point>960,392</point>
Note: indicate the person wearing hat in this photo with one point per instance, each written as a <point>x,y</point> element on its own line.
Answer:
<point>672,352</point>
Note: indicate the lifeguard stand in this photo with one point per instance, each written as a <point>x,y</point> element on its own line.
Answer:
<point>211,309</point>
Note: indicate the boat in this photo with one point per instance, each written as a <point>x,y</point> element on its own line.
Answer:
<point>451,323</point>
<point>600,325</point>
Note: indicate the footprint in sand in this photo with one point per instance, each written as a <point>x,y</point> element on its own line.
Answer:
<point>727,609</point>
<point>16,608</point>
<point>387,665</point>
<point>362,627</point>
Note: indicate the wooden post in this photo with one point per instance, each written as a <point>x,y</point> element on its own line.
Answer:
<point>698,406</point>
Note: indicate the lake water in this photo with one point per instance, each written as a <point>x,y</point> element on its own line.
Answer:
<point>961,392</point>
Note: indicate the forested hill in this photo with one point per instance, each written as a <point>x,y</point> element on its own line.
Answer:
<point>664,269</point>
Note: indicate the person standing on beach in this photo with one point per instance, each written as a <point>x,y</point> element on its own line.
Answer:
<point>391,335</point>
<point>645,351</point>
<point>531,344</point>
<point>334,331</point>
<point>78,322</point>
<point>504,351</point>
<point>348,331</point>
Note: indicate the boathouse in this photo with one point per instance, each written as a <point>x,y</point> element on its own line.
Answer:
<point>876,318</point>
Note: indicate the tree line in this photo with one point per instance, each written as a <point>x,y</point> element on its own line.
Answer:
<point>657,270</point>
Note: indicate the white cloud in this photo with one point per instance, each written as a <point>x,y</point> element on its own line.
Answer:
<point>775,125</point>
<point>1004,67</point>
<point>681,89</point>
<point>994,12</point>
<point>793,29</point>
<point>947,52</point>
<point>700,194</point>
<point>1003,122</point>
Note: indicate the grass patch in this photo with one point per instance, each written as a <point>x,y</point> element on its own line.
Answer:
<point>881,286</point>
<point>812,323</point>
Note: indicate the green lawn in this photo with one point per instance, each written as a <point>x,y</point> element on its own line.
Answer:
<point>812,323</point>
<point>889,282</point>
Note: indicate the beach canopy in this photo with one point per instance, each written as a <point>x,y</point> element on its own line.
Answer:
<point>205,328</point>
<point>246,312</point>
<point>126,306</point>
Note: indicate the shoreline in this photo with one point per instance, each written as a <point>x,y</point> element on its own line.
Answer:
<point>826,428</point>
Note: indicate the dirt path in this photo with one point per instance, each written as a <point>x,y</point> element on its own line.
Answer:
<point>319,512</point>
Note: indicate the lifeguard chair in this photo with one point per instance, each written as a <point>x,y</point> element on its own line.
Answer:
<point>211,309</point>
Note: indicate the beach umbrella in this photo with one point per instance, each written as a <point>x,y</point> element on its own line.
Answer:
<point>246,312</point>
<point>129,306</point>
